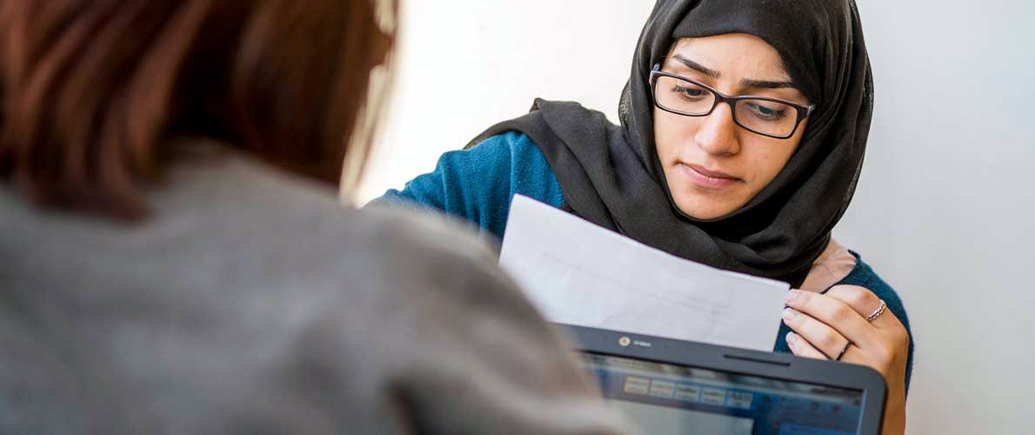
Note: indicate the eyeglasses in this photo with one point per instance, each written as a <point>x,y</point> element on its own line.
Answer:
<point>765,116</point>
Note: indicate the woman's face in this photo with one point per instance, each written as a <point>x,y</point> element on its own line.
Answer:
<point>714,166</point>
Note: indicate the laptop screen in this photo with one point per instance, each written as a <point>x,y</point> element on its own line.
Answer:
<point>674,399</point>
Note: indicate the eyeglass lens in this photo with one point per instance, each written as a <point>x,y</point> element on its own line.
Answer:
<point>761,116</point>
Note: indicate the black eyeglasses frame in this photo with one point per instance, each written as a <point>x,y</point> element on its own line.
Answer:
<point>803,112</point>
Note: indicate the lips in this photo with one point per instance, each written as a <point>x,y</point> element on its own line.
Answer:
<point>713,174</point>
<point>707,178</point>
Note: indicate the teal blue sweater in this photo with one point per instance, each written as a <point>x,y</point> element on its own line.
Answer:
<point>478,184</point>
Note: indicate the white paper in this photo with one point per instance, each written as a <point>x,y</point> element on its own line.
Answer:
<point>578,273</point>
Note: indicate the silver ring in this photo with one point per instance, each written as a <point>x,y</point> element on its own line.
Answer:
<point>876,313</point>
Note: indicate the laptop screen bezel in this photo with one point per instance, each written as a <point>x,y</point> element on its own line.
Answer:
<point>735,361</point>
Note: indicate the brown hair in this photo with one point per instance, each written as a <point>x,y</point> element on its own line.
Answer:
<point>94,92</point>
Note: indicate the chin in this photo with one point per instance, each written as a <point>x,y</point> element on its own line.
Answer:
<point>703,213</point>
<point>694,209</point>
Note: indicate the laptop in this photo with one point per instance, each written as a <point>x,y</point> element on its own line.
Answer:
<point>668,386</point>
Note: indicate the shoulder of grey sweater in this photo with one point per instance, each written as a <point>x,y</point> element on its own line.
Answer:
<point>434,250</point>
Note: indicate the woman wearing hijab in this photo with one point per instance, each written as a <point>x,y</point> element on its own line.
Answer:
<point>174,257</point>
<point>743,129</point>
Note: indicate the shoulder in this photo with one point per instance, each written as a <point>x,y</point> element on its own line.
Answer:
<point>390,251</point>
<point>246,271</point>
<point>527,169</point>
<point>520,169</point>
<point>477,183</point>
<point>494,164</point>
<point>384,258</point>
<point>506,144</point>
<point>423,242</point>
<point>512,154</point>
<point>277,232</point>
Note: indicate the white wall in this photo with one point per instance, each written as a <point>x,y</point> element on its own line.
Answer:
<point>944,208</point>
<point>465,65</point>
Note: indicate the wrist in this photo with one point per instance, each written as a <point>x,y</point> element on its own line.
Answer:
<point>894,416</point>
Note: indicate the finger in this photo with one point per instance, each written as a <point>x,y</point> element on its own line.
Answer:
<point>836,314</point>
<point>864,302</point>
<point>822,337</point>
<point>803,348</point>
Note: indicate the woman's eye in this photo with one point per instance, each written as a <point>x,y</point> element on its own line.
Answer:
<point>766,113</point>
<point>688,92</point>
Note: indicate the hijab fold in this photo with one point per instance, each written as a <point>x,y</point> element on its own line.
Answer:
<point>610,174</point>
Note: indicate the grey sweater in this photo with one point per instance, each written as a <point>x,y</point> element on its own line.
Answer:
<point>254,302</point>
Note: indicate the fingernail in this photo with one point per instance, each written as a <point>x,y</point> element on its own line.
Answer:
<point>792,295</point>
<point>791,338</point>
<point>788,314</point>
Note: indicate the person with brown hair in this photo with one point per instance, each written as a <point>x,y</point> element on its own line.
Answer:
<point>174,257</point>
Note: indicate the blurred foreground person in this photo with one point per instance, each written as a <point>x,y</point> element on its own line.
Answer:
<point>174,257</point>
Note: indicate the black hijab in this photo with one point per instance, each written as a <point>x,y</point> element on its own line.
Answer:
<point>611,175</point>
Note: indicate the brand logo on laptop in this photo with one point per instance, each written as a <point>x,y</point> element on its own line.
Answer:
<point>625,341</point>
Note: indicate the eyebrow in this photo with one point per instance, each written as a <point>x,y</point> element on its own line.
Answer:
<point>766,84</point>
<point>747,83</point>
<point>696,66</point>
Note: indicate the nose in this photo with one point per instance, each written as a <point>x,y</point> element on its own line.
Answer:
<point>718,134</point>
